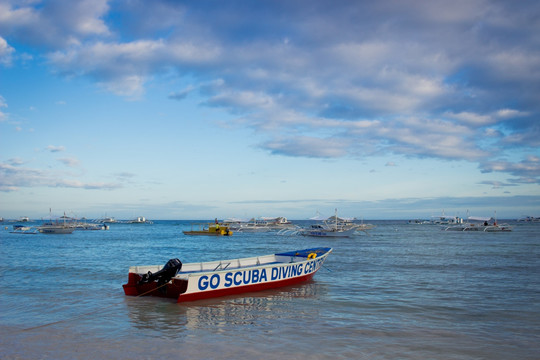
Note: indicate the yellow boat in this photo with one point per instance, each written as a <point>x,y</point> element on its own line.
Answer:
<point>210,229</point>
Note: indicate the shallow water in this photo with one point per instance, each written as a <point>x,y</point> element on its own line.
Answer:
<point>404,291</point>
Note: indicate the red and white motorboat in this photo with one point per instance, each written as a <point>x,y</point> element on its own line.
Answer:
<point>196,281</point>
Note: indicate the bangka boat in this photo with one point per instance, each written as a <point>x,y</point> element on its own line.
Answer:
<point>328,231</point>
<point>56,228</point>
<point>333,226</point>
<point>140,220</point>
<point>209,229</point>
<point>91,226</point>
<point>106,220</point>
<point>21,229</point>
<point>486,224</point>
<point>197,281</point>
<point>498,228</point>
<point>262,224</point>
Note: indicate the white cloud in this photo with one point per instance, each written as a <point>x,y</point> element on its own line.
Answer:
<point>54,148</point>
<point>52,23</point>
<point>3,104</point>
<point>307,147</point>
<point>6,52</point>
<point>471,118</point>
<point>14,177</point>
<point>527,171</point>
<point>71,162</point>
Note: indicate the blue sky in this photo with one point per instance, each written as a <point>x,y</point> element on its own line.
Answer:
<point>186,110</point>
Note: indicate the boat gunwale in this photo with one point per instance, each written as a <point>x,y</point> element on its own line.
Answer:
<point>183,274</point>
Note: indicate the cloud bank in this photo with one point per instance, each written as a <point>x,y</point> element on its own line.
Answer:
<point>447,80</point>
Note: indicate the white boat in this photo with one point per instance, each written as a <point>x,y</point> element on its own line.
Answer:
<point>203,280</point>
<point>66,226</point>
<point>419,222</point>
<point>529,219</point>
<point>325,230</point>
<point>106,220</point>
<point>91,226</point>
<point>476,223</point>
<point>498,228</point>
<point>445,220</point>
<point>56,228</point>
<point>262,224</point>
<point>140,220</point>
<point>20,229</point>
<point>333,226</point>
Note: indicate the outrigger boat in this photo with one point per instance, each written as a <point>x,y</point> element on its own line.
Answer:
<point>334,226</point>
<point>197,281</point>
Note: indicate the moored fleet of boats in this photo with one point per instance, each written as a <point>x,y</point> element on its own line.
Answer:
<point>318,226</point>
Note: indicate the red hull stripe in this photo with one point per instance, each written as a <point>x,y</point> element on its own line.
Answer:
<point>243,289</point>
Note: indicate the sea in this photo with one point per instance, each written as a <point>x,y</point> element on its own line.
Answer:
<point>400,291</point>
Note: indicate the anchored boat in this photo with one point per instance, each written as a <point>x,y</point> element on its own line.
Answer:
<point>196,281</point>
<point>209,229</point>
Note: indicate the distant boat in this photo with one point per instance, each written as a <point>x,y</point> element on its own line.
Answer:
<point>325,230</point>
<point>20,229</point>
<point>446,220</point>
<point>212,229</point>
<point>140,220</point>
<point>476,223</point>
<point>66,226</point>
<point>203,280</point>
<point>56,228</point>
<point>262,224</point>
<point>529,219</point>
<point>333,226</point>
<point>91,226</point>
<point>106,220</point>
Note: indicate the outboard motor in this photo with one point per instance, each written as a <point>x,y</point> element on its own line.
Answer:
<point>163,276</point>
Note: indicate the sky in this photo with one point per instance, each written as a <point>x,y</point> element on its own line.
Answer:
<point>202,109</point>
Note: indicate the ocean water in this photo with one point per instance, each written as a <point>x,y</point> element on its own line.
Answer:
<point>401,292</point>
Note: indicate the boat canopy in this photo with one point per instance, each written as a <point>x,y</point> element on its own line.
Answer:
<point>479,218</point>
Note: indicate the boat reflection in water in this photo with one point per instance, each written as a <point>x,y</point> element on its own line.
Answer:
<point>219,314</point>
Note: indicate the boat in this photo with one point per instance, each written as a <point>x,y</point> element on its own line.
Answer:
<point>21,229</point>
<point>56,228</point>
<point>333,226</point>
<point>529,219</point>
<point>212,229</point>
<point>66,226</point>
<point>498,228</point>
<point>262,224</point>
<point>140,220</point>
<point>419,222</point>
<point>325,230</point>
<point>445,220</point>
<point>91,226</point>
<point>476,223</point>
<point>106,220</point>
<point>197,281</point>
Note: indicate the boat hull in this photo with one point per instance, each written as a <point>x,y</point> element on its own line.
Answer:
<point>209,233</point>
<point>328,233</point>
<point>56,230</point>
<point>211,230</point>
<point>198,285</point>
